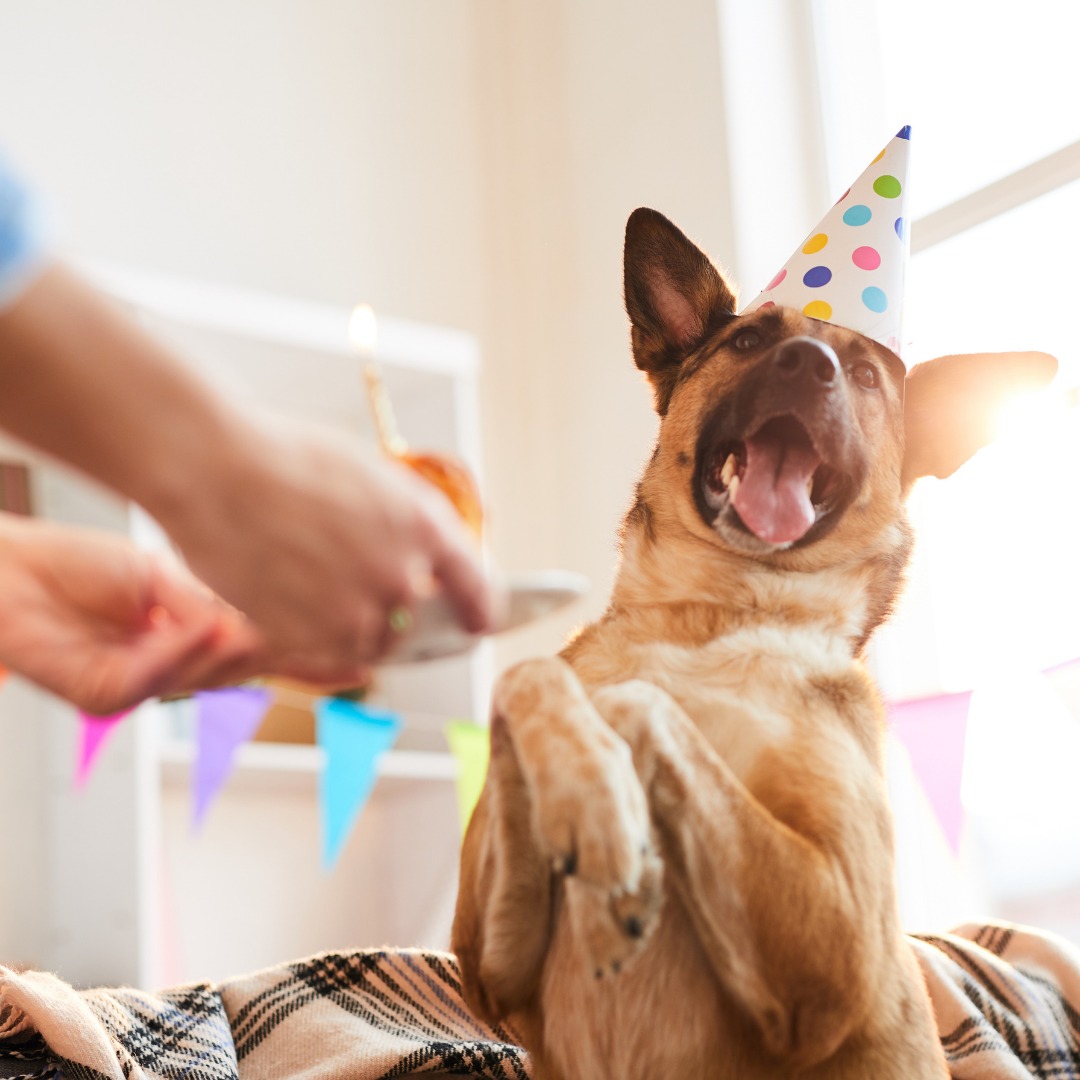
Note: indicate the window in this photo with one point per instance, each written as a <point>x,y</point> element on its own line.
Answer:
<point>995,592</point>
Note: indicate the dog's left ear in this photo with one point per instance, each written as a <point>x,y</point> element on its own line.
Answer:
<point>951,405</point>
<point>675,297</point>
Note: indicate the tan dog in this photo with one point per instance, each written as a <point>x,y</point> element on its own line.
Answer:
<point>681,865</point>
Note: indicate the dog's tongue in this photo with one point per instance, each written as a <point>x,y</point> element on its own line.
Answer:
<point>772,497</point>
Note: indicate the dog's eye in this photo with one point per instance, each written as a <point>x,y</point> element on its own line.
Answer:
<point>747,339</point>
<point>864,375</point>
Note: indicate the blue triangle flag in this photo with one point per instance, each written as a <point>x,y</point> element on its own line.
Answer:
<point>353,735</point>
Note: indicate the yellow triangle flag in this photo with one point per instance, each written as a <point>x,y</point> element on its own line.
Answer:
<point>469,745</point>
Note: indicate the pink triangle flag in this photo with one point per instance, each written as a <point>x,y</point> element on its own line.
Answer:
<point>354,737</point>
<point>94,731</point>
<point>933,731</point>
<point>226,718</point>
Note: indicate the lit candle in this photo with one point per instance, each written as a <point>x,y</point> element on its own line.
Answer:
<point>364,336</point>
<point>364,330</point>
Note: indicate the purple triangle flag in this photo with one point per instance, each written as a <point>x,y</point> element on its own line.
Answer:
<point>94,732</point>
<point>354,737</point>
<point>933,731</point>
<point>225,719</point>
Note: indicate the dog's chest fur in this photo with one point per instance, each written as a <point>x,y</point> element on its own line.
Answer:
<point>746,688</point>
<point>752,686</point>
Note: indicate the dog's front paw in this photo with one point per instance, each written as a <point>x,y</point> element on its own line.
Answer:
<point>592,816</point>
<point>613,926</point>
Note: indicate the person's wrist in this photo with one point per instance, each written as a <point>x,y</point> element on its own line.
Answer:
<point>199,473</point>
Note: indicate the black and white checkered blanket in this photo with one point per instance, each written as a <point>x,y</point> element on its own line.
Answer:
<point>1007,1002</point>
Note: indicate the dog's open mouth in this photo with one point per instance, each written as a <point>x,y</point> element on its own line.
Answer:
<point>774,480</point>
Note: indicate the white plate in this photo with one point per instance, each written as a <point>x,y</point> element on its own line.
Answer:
<point>435,632</point>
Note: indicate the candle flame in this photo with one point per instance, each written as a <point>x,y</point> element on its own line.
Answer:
<point>363,329</point>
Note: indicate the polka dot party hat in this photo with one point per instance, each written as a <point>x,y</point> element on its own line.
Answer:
<point>850,269</point>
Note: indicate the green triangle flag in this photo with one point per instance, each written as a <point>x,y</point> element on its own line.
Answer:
<point>354,737</point>
<point>469,743</point>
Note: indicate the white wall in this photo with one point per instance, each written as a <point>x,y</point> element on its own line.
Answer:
<point>595,109</point>
<point>451,161</point>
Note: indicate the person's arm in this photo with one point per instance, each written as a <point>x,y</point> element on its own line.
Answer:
<point>90,617</point>
<point>316,542</point>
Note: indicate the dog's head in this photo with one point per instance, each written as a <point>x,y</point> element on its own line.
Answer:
<point>784,438</point>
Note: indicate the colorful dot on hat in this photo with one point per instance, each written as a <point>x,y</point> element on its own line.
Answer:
<point>817,276</point>
<point>776,280</point>
<point>866,258</point>
<point>768,303</point>
<point>875,299</point>
<point>888,187</point>
<point>815,244</point>
<point>844,196</point>
<point>900,225</point>
<point>857,215</point>
<point>879,157</point>
<point>818,309</point>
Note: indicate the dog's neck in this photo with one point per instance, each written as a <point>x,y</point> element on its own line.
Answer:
<point>691,589</point>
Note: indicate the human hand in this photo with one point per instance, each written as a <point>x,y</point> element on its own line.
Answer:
<point>90,617</point>
<point>318,544</point>
<point>325,548</point>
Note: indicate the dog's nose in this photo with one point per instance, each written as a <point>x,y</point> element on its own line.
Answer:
<point>808,358</point>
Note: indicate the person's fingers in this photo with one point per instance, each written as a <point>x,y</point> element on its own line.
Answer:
<point>457,569</point>
<point>365,633</point>
<point>170,655</point>
<point>322,671</point>
<point>230,653</point>
<point>188,639</point>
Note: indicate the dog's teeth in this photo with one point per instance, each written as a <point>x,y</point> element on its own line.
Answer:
<point>733,486</point>
<point>727,473</point>
<point>809,486</point>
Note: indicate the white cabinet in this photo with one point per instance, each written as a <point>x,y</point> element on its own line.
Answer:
<point>118,888</point>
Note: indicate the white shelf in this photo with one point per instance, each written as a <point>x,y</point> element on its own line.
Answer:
<point>177,756</point>
<point>284,320</point>
<point>293,356</point>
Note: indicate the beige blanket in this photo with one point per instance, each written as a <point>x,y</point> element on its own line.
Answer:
<point>1007,1002</point>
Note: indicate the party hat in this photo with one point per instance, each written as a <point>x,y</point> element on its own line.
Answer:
<point>850,269</point>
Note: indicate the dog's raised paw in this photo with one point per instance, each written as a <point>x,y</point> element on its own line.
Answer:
<point>593,818</point>
<point>614,925</point>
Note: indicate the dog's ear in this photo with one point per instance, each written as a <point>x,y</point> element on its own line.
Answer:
<point>951,405</point>
<point>675,297</point>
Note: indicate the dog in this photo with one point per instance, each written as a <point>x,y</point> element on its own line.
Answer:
<point>681,864</point>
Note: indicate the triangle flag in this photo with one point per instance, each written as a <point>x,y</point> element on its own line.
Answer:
<point>353,735</point>
<point>933,731</point>
<point>94,731</point>
<point>225,718</point>
<point>470,745</point>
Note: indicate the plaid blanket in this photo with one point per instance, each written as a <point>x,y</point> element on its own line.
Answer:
<point>1006,1001</point>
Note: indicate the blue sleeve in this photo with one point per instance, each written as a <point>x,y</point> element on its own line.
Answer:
<point>23,248</point>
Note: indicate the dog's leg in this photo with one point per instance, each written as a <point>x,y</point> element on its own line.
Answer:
<point>792,911</point>
<point>562,806</point>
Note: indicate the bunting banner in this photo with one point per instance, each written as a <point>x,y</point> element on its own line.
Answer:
<point>354,736</point>
<point>224,719</point>
<point>471,747</point>
<point>94,732</point>
<point>933,730</point>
